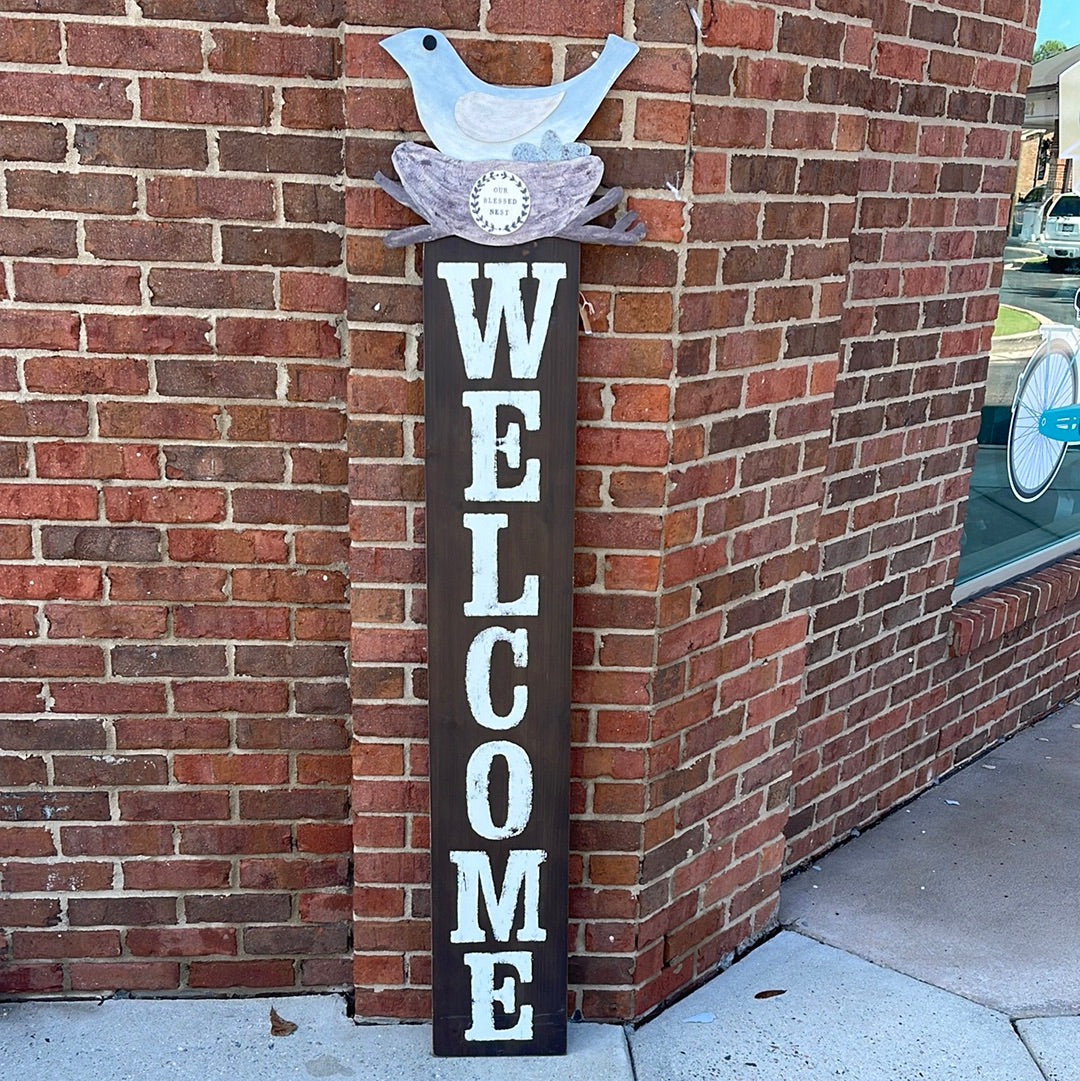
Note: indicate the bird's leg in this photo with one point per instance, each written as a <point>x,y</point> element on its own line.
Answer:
<point>398,193</point>
<point>594,210</point>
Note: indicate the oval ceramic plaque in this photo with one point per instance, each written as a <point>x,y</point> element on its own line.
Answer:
<point>500,202</point>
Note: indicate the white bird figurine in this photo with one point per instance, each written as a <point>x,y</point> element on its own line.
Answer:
<point>471,120</point>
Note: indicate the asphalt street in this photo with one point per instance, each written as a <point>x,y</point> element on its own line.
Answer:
<point>1027,283</point>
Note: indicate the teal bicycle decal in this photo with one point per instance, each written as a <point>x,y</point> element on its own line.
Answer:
<point>1046,413</point>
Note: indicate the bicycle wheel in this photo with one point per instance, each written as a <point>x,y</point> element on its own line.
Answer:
<point>1049,382</point>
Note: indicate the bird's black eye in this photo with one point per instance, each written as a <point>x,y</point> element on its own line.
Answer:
<point>430,43</point>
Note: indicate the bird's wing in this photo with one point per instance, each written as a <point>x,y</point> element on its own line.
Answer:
<point>491,119</point>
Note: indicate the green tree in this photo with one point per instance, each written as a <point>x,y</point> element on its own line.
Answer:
<point>1046,49</point>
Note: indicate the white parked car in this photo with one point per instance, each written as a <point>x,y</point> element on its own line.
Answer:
<point>1060,239</point>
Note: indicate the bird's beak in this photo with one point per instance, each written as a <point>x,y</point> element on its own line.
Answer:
<point>393,45</point>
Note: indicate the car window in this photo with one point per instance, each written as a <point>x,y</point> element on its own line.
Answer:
<point>1067,206</point>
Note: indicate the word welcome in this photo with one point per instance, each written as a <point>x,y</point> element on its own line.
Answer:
<point>490,913</point>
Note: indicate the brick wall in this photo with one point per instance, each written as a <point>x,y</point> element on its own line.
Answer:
<point>723,408</point>
<point>174,534</point>
<point>885,709</point>
<point>213,378</point>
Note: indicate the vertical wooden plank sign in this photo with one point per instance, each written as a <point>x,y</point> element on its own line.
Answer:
<point>500,408</point>
<point>504,218</point>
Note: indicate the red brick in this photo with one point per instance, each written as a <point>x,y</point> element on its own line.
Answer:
<point>310,587</point>
<point>153,334</point>
<point>247,974</point>
<point>25,141</point>
<point>323,383</point>
<point>113,911</point>
<point>289,424</point>
<point>92,193</point>
<point>218,379</point>
<point>309,12</point>
<point>176,874</point>
<point>219,696</point>
<point>309,292</point>
<point>175,806</point>
<point>157,420</point>
<point>320,624</point>
<point>662,121</point>
<point>277,338</point>
<point>139,147</point>
<point>219,546</point>
<point>194,102</point>
<point>18,621</point>
<point>20,979</point>
<point>153,48</point>
<point>102,840</point>
<point>73,284</point>
<point>101,698</point>
<point>181,941</point>
<point>29,41</point>
<point>273,153</point>
<point>95,770</point>
<point>589,19</point>
<point>312,108</point>
<point>101,543</point>
<point>280,54</point>
<point>132,733</point>
<point>174,287</point>
<point>29,912</point>
<point>309,803</point>
<point>238,11</point>
<point>160,241</point>
<point>166,583</point>
<point>102,460</point>
<point>49,501</point>
<point>247,769</point>
<point>38,330</point>
<point>57,877</point>
<point>16,541</point>
<point>162,505</point>
<point>43,418</point>
<point>103,621</point>
<point>325,907</point>
<point>745,26</point>
<point>212,621</point>
<point>131,975</point>
<point>64,944</point>
<point>168,660</point>
<point>39,94</point>
<point>203,840</point>
<point>209,197</point>
<point>26,842</point>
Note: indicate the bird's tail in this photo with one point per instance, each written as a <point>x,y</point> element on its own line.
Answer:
<point>620,50</point>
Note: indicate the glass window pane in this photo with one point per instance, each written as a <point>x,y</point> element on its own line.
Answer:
<point>1068,206</point>
<point>1024,506</point>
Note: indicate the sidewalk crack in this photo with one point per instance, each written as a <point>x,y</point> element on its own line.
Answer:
<point>1014,1022</point>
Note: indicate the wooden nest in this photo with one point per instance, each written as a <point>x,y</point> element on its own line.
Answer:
<point>442,191</point>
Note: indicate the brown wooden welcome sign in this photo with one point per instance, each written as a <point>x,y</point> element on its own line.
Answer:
<point>500,405</point>
<point>503,220</point>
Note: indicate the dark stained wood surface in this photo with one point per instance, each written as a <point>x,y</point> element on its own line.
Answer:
<point>538,540</point>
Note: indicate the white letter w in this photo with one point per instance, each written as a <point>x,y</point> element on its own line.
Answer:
<point>478,348</point>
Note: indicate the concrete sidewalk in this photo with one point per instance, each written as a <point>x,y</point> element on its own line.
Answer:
<point>944,945</point>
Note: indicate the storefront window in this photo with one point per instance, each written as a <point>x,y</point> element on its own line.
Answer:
<point>1024,506</point>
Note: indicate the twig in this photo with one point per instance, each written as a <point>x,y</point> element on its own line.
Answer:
<point>397,192</point>
<point>594,210</point>
<point>415,234</point>
<point>626,231</point>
